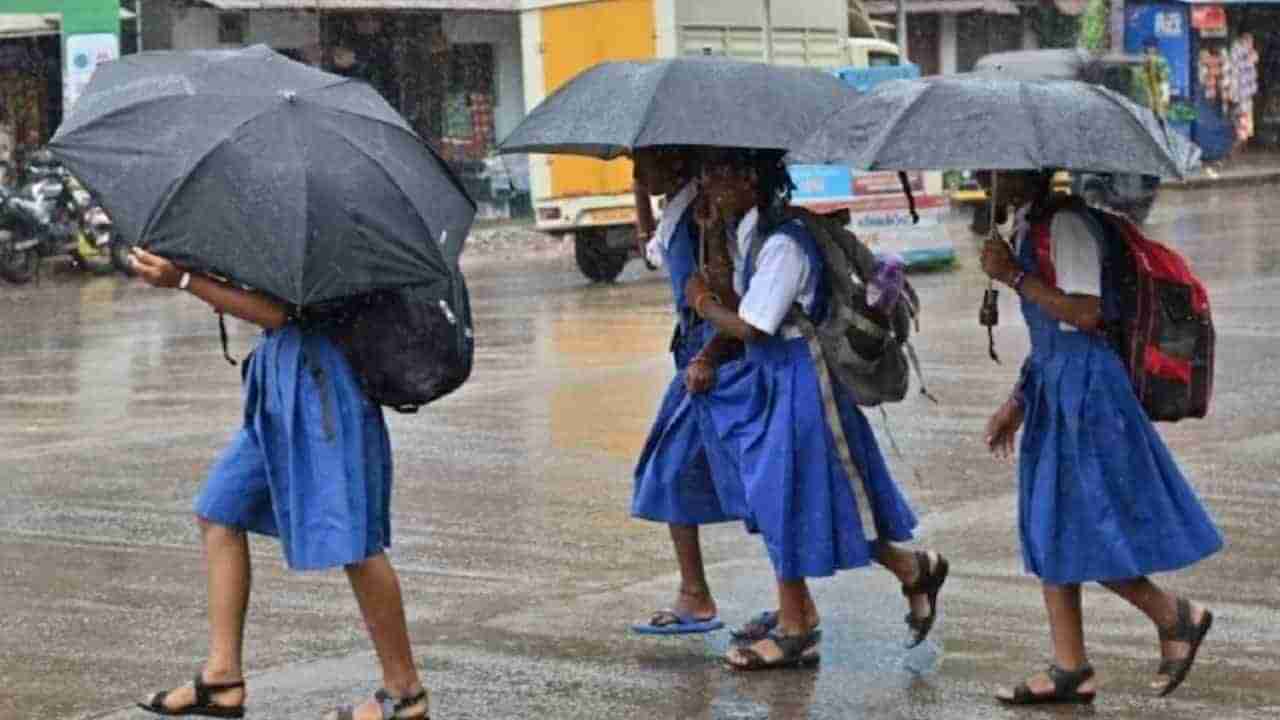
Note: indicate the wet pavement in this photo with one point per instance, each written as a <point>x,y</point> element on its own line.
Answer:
<point>521,566</point>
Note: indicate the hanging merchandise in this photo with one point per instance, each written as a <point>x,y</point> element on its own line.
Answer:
<point>1244,69</point>
<point>1209,73</point>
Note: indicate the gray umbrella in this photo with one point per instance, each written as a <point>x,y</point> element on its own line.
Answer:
<point>615,107</point>
<point>977,121</point>
<point>246,164</point>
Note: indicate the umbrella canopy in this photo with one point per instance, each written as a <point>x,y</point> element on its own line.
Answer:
<point>978,121</point>
<point>246,164</point>
<point>615,107</point>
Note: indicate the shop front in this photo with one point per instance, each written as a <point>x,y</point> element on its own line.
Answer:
<point>1222,66</point>
<point>454,72</point>
<point>48,49</point>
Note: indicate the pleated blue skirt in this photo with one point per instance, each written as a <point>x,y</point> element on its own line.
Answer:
<point>765,420</point>
<point>311,463</point>
<point>1099,495</point>
<point>674,482</point>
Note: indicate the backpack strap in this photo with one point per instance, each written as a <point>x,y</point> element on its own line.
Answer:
<point>826,388</point>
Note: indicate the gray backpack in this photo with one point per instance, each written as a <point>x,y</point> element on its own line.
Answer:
<point>866,350</point>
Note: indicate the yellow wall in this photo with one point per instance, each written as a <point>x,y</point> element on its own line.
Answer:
<point>575,37</point>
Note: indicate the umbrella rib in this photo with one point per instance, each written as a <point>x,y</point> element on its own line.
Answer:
<point>163,206</point>
<point>418,139</point>
<point>1023,90</point>
<point>874,148</point>
<point>651,107</point>
<point>423,221</point>
<point>1114,99</point>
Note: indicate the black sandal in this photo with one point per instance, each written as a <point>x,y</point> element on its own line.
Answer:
<point>389,703</point>
<point>204,706</point>
<point>797,651</point>
<point>1183,631</point>
<point>929,583</point>
<point>1066,689</point>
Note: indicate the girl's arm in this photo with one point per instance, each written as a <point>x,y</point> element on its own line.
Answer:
<point>247,305</point>
<point>1081,311</point>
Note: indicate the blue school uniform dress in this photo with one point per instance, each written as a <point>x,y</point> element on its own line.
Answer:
<point>1099,496</point>
<point>766,415</point>
<point>311,463</point>
<point>673,478</point>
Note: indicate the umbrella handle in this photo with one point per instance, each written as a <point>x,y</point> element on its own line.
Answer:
<point>989,313</point>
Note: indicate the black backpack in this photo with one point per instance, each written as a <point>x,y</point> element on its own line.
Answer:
<point>408,346</point>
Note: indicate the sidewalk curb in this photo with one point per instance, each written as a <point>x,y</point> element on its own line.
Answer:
<point>1263,177</point>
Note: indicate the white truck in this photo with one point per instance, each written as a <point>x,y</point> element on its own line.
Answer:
<point>593,200</point>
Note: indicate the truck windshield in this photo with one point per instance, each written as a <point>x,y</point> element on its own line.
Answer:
<point>881,59</point>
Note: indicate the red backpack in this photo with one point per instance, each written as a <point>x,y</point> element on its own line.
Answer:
<point>1156,314</point>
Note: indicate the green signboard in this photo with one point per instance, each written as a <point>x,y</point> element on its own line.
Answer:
<point>90,36</point>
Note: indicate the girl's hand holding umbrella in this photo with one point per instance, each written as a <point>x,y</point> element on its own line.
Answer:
<point>997,260</point>
<point>247,305</point>
<point>700,375</point>
<point>155,270</point>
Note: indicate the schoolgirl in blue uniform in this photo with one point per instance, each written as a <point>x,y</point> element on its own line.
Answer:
<point>1100,499</point>
<point>310,465</point>
<point>766,413</point>
<point>673,480</point>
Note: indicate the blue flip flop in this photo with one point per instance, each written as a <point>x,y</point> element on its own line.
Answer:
<point>677,624</point>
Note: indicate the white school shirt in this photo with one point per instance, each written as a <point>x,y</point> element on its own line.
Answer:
<point>782,278</point>
<point>1076,252</point>
<point>656,250</point>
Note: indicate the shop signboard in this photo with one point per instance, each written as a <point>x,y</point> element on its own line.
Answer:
<point>90,36</point>
<point>1209,20</point>
<point>1166,28</point>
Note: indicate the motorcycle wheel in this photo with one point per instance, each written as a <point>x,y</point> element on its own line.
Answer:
<point>120,256</point>
<point>17,266</point>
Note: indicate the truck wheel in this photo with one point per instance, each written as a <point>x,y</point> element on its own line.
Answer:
<point>596,259</point>
<point>16,266</point>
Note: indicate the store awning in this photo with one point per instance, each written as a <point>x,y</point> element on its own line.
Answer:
<point>943,7</point>
<point>436,5</point>
<point>20,25</point>
<point>24,26</point>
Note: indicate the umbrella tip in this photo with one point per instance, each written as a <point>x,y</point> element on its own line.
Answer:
<point>289,96</point>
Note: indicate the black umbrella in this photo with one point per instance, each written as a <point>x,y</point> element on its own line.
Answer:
<point>246,164</point>
<point>615,107</point>
<point>980,122</point>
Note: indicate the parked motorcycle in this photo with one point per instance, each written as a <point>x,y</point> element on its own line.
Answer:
<point>50,214</point>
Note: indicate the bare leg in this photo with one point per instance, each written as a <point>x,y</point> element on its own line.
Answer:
<point>695,593</point>
<point>1066,625</point>
<point>228,573</point>
<point>377,590</point>
<point>1162,608</point>
<point>797,615</point>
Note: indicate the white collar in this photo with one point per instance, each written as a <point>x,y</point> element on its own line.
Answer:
<point>672,213</point>
<point>747,230</point>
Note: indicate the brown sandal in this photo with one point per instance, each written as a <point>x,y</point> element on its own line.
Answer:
<point>1183,631</point>
<point>1066,689</point>
<point>204,706</point>
<point>797,651</point>
<point>929,583</point>
<point>391,707</point>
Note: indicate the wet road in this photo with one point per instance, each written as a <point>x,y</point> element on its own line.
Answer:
<point>520,563</point>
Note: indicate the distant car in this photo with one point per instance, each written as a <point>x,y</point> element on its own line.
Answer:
<point>1130,195</point>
